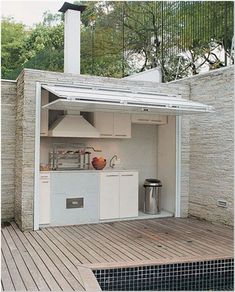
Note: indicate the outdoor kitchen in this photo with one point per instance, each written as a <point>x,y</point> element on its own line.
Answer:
<point>121,183</point>
<point>106,151</point>
<point>94,166</point>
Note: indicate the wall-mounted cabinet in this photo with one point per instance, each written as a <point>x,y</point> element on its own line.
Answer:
<point>118,195</point>
<point>148,119</point>
<point>44,114</point>
<point>112,125</point>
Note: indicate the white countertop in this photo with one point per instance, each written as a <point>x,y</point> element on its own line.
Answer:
<point>92,170</point>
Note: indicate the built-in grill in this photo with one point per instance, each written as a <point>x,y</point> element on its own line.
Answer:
<point>70,157</point>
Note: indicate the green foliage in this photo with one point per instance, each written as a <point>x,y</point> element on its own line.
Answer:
<point>14,36</point>
<point>122,37</point>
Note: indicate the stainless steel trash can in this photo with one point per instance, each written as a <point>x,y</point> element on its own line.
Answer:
<point>152,196</point>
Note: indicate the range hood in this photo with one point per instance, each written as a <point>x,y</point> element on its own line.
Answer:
<point>73,125</point>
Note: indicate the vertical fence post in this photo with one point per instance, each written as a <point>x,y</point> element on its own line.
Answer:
<point>225,33</point>
<point>162,34</point>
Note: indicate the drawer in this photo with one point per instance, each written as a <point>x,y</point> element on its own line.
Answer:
<point>69,209</point>
<point>74,182</point>
<point>44,176</point>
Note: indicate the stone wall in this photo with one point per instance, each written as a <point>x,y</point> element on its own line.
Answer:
<point>211,173</point>
<point>206,152</point>
<point>25,132</point>
<point>8,103</point>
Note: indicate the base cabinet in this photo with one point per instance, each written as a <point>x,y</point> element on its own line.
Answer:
<point>44,199</point>
<point>109,195</point>
<point>74,198</point>
<point>68,198</point>
<point>128,195</point>
<point>118,195</point>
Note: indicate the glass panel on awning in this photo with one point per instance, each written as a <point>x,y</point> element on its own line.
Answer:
<point>90,99</point>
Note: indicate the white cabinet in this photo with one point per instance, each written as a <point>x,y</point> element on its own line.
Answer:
<point>121,125</point>
<point>74,197</point>
<point>148,119</point>
<point>44,114</point>
<point>128,194</point>
<point>103,122</point>
<point>112,125</point>
<point>44,200</point>
<point>118,195</point>
<point>109,195</point>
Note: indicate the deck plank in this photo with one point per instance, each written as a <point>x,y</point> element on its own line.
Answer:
<point>108,245</point>
<point>129,243</point>
<point>62,258</point>
<point>65,249</point>
<point>20,264</point>
<point>59,277</point>
<point>74,250</point>
<point>12,268</point>
<point>42,266</point>
<point>204,240</point>
<point>37,276</point>
<point>166,247</point>
<point>69,264</point>
<point>177,239</point>
<point>71,280</point>
<point>78,246</point>
<point>92,246</point>
<point>7,283</point>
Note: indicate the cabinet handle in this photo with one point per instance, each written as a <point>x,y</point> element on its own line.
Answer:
<point>44,181</point>
<point>126,174</point>
<point>159,121</point>
<point>121,135</point>
<point>44,176</point>
<point>106,135</point>
<point>143,120</point>
<point>109,175</point>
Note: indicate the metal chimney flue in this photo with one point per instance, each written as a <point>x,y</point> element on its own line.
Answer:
<point>72,44</point>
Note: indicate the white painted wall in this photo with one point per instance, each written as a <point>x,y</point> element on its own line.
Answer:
<point>72,41</point>
<point>154,75</point>
<point>166,165</point>
<point>139,152</point>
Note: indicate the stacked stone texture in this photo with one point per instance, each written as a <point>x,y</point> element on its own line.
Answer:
<point>211,173</point>
<point>8,129</point>
<point>206,150</point>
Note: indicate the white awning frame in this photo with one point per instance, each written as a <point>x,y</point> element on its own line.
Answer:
<point>88,98</point>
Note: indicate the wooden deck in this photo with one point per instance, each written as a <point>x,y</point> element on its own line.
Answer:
<point>62,258</point>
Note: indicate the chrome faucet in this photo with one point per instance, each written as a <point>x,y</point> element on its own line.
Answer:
<point>112,163</point>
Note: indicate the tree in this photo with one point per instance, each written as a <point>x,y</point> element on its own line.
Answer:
<point>14,36</point>
<point>119,38</point>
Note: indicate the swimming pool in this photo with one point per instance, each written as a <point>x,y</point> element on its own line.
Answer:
<point>216,275</point>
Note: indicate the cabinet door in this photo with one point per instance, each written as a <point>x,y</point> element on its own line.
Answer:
<point>44,114</point>
<point>109,195</point>
<point>128,194</point>
<point>122,125</point>
<point>139,119</point>
<point>148,119</point>
<point>44,201</point>
<point>103,122</point>
<point>158,119</point>
<point>74,198</point>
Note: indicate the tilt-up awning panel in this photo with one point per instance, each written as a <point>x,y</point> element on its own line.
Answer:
<point>90,99</point>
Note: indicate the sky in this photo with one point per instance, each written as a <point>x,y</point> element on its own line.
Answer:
<point>29,12</point>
